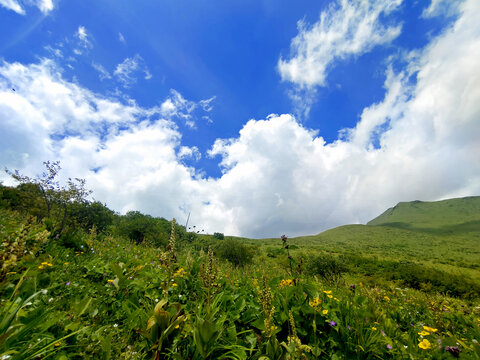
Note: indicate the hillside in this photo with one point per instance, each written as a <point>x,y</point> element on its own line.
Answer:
<point>443,235</point>
<point>446,216</point>
<point>98,285</point>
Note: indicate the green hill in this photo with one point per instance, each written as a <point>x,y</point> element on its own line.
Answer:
<point>442,235</point>
<point>450,216</point>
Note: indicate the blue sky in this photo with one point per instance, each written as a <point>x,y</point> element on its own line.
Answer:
<point>352,102</point>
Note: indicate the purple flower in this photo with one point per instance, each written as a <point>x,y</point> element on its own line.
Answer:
<point>389,347</point>
<point>284,237</point>
<point>352,287</point>
<point>333,323</point>
<point>454,350</point>
<point>68,283</point>
<point>382,332</point>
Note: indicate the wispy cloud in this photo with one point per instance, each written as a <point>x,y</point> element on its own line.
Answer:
<point>13,5</point>
<point>83,40</point>
<point>127,70</point>
<point>177,106</point>
<point>121,38</point>
<point>102,72</point>
<point>442,7</point>
<point>345,29</point>
<point>44,6</point>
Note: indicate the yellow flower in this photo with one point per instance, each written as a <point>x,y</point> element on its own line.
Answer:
<point>174,284</point>
<point>327,291</point>
<point>330,296</point>
<point>315,303</point>
<point>66,263</point>
<point>325,312</point>
<point>424,333</point>
<point>40,267</point>
<point>44,263</point>
<point>110,281</point>
<point>427,328</point>
<point>57,344</point>
<point>424,344</point>
<point>374,328</point>
<point>286,282</point>
<point>11,273</point>
<point>386,298</point>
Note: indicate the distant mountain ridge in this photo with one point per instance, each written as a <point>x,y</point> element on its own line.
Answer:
<point>445,216</point>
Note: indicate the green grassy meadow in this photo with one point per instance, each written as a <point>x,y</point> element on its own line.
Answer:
<point>85,283</point>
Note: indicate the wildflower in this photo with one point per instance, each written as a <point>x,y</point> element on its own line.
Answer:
<point>374,328</point>
<point>425,344</point>
<point>68,283</point>
<point>386,298</point>
<point>110,281</point>
<point>57,344</point>
<point>286,282</point>
<point>325,312</point>
<point>352,287</point>
<point>389,347</point>
<point>330,296</point>
<point>66,263</point>
<point>315,303</point>
<point>333,323</point>
<point>174,284</point>
<point>327,291</point>
<point>11,272</point>
<point>423,333</point>
<point>454,350</point>
<point>429,329</point>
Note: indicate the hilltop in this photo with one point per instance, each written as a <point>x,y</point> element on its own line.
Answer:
<point>446,216</point>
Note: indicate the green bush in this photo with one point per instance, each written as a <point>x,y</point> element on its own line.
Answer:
<point>234,252</point>
<point>73,238</point>
<point>326,266</point>
<point>218,236</point>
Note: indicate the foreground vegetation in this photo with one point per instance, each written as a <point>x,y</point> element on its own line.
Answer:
<point>78,281</point>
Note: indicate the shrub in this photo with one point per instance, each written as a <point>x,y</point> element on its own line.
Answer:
<point>218,236</point>
<point>326,266</point>
<point>234,252</point>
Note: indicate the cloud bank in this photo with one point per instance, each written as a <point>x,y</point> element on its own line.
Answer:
<point>278,176</point>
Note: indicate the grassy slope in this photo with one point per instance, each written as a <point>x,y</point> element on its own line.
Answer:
<point>440,217</point>
<point>444,235</point>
